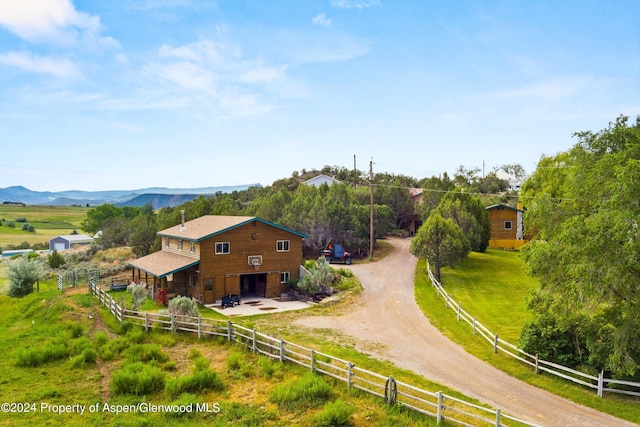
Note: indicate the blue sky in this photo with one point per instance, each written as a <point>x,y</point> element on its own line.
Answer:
<point>102,95</point>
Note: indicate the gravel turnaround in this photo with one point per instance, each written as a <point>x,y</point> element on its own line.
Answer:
<point>388,316</point>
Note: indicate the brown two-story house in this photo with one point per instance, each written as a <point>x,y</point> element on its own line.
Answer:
<point>212,256</point>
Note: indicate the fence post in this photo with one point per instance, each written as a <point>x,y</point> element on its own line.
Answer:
<point>229,330</point>
<point>121,311</point>
<point>199,326</point>
<point>173,323</point>
<point>495,344</point>
<point>474,326</point>
<point>349,373</point>
<point>255,342</point>
<point>440,408</point>
<point>458,312</point>
<point>600,383</point>
<point>537,361</point>
<point>446,301</point>
<point>146,322</point>
<point>281,350</point>
<point>497,417</point>
<point>313,360</point>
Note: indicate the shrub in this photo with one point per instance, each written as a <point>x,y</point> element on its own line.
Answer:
<point>22,275</point>
<point>201,380</point>
<point>334,414</point>
<point>183,306</point>
<point>138,379</point>
<point>88,356</point>
<point>138,295</point>
<point>100,339</point>
<point>37,356</point>
<point>146,353</point>
<point>310,390</point>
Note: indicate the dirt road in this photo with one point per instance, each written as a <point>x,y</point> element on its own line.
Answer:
<point>389,315</point>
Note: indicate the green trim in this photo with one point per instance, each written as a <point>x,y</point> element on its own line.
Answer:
<point>304,236</point>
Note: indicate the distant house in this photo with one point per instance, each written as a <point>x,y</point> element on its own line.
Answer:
<point>416,195</point>
<point>318,180</point>
<point>213,256</point>
<point>506,226</point>
<point>513,182</point>
<point>61,243</point>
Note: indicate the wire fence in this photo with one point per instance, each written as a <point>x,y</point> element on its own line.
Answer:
<point>438,405</point>
<point>598,383</point>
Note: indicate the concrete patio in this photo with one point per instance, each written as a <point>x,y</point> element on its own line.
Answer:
<point>252,305</point>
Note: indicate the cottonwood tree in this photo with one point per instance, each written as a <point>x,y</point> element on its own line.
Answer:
<point>441,242</point>
<point>586,252</point>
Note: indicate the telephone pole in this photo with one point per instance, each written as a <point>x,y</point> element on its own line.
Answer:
<point>371,210</point>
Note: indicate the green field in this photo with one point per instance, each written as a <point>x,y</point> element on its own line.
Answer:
<point>493,288</point>
<point>48,221</point>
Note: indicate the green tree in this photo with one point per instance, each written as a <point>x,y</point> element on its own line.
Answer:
<point>471,216</point>
<point>97,216</point>
<point>441,242</point>
<point>585,253</point>
<point>23,273</point>
<point>143,231</point>
<point>55,259</point>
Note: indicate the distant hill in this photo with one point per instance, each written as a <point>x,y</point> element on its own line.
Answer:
<point>158,196</point>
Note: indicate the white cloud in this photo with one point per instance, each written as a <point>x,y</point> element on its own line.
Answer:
<point>321,19</point>
<point>61,67</point>
<point>354,4</point>
<point>52,21</point>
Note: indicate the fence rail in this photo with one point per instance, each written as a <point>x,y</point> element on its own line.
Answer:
<point>595,382</point>
<point>435,404</point>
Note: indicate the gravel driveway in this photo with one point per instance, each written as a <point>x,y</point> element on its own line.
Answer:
<point>388,314</point>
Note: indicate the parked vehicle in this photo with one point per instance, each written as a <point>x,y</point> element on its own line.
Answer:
<point>334,252</point>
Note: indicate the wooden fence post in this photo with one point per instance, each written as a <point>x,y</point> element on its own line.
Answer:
<point>199,326</point>
<point>121,311</point>
<point>229,330</point>
<point>255,342</point>
<point>349,374</point>
<point>600,383</point>
<point>497,417</point>
<point>282,350</point>
<point>495,344</point>
<point>474,326</point>
<point>146,322</point>
<point>440,408</point>
<point>537,363</point>
<point>173,323</point>
<point>446,301</point>
<point>313,360</point>
<point>458,312</point>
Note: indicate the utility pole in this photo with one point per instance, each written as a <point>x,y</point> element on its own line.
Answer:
<point>371,210</point>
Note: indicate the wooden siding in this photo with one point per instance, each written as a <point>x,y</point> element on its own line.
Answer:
<point>254,238</point>
<point>186,246</point>
<point>497,218</point>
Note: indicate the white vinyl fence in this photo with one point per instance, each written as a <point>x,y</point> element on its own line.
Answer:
<point>435,404</point>
<point>598,383</point>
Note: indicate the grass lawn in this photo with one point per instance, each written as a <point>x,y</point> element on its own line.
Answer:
<point>492,287</point>
<point>48,221</point>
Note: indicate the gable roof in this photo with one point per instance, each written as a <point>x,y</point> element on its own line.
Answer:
<point>321,179</point>
<point>163,263</point>
<point>75,238</point>
<point>210,225</point>
<point>504,206</point>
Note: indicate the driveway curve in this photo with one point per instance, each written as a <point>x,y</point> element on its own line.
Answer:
<point>388,315</point>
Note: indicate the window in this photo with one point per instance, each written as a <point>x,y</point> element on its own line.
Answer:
<point>222,248</point>
<point>192,280</point>
<point>284,277</point>
<point>166,242</point>
<point>180,245</point>
<point>282,246</point>
<point>508,225</point>
<point>208,284</point>
<point>192,247</point>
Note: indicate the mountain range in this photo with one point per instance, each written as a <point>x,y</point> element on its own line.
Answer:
<point>159,197</point>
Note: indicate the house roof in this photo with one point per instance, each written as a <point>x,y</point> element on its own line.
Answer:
<point>504,206</point>
<point>320,179</point>
<point>163,263</point>
<point>75,238</point>
<point>211,225</point>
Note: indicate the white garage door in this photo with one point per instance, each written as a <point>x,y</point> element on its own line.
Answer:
<point>58,247</point>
